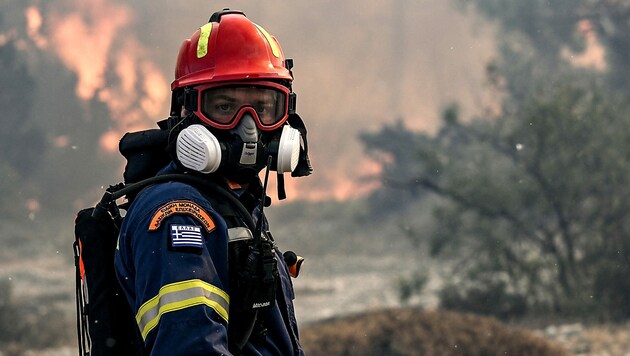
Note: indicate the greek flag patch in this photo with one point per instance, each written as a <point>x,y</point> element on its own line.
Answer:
<point>186,236</point>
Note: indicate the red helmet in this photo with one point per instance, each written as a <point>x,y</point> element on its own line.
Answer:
<point>230,47</point>
<point>231,67</point>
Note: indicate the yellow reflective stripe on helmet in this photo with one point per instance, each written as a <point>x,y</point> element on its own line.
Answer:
<point>275,49</point>
<point>181,295</point>
<point>204,38</point>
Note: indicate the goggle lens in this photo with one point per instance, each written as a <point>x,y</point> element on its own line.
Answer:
<point>223,106</point>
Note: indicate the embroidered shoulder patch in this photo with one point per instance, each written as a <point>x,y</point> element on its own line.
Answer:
<point>184,207</point>
<point>186,236</point>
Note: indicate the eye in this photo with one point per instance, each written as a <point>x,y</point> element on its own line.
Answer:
<point>263,107</point>
<point>224,107</point>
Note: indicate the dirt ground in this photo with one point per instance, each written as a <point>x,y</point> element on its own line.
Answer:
<point>575,338</point>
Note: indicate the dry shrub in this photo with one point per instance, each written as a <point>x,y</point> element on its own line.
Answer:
<point>415,332</point>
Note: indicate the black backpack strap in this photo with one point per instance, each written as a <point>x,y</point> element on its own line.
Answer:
<point>208,187</point>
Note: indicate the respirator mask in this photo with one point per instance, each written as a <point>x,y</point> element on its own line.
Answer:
<point>242,124</point>
<point>240,153</point>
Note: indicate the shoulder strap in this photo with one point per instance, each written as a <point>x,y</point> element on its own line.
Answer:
<point>208,187</point>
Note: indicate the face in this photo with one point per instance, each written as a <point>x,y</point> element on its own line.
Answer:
<point>222,105</point>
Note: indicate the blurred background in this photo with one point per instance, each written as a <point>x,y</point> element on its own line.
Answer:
<point>470,155</point>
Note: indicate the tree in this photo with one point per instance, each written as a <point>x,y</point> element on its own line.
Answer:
<point>393,148</point>
<point>535,205</point>
<point>536,201</point>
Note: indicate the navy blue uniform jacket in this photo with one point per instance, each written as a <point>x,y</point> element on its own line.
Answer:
<point>172,264</point>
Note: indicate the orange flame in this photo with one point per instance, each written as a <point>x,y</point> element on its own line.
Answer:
<point>33,205</point>
<point>594,54</point>
<point>33,25</point>
<point>110,67</point>
<point>138,98</point>
<point>83,39</point>
<point>319,188</point>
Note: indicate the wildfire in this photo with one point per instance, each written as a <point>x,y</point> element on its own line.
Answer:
<point>33,25</point>
<point>594,54</point>
<point>95,39</point>
<point>83,40</point>
<point>341,188</point>
<point>111,67</point>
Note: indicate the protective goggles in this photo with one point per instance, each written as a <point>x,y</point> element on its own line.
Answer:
<point>222,105</point>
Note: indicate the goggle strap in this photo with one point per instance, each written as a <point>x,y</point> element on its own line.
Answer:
<point>292,102</point>
<point>190,99</point>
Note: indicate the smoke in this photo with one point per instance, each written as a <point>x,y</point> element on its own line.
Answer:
<point>357,68</point>
<point>95,40</point>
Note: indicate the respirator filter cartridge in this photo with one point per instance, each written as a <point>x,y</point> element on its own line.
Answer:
<point>198,149</point>
<point>288,150</point>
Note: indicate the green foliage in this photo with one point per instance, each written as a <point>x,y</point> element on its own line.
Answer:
<point>548,27</point>
<point>487,297</point>
<point>548,23</point>
<point>538,196</point>
<point>535,210</point>
<point>408,287</point>
<point>611,290</point>
<point>393,147</point>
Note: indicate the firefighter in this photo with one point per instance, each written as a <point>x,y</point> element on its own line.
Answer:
<point>232,109</point>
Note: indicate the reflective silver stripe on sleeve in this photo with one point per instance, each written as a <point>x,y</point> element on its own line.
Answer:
<point>181,295</point>
<point>239,233</point>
